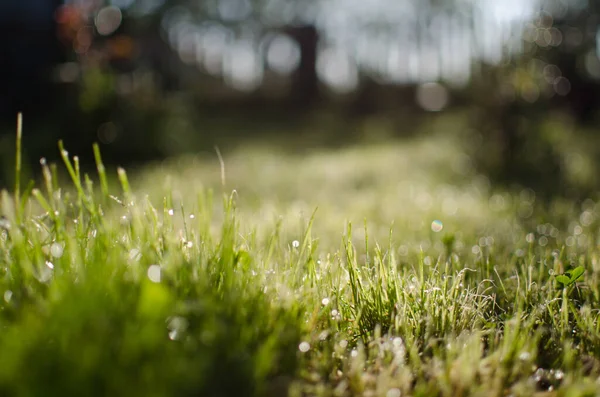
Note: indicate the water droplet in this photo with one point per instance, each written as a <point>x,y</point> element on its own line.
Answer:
<point>541,229</point>
<point>174,334</point>
<point>8,295</point>
<point>295,243</point>
<point>45,274</point>
<point>135,254</point>
<point>530,238</point>
<point>189,244</point>
<point>325,301</point>
<point>65,153</point>
<point>56,250</point>
<point>437,226</point>
<point>171,211</point>
<point>394,392</point>
<point>304,347</point>
<point>586,218</point>
<point>559,374</point>
<point>354,353</point>
<point>50,265</point>
<point>524,356</point>
<point>177,326</point>
<point>43,161</point>
<point>4,223</point>
<point>154,273</point>
<point>192,216</point>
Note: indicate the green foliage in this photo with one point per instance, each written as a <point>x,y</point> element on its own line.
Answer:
<point>570,276</point>
<point>100,308</point>
<point>109,291</point>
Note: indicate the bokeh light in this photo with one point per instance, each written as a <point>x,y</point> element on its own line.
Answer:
<point>283,54</point>
<point>108,20</point>
<point>437,226</point>
<point>337,70</point>
<point>432,96</point>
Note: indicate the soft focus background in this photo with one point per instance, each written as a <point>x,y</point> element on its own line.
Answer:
<point>514,81</point>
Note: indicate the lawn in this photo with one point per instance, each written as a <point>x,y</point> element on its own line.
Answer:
<point>378,270</point>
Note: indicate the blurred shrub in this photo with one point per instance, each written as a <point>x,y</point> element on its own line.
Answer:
<point>536,112</point>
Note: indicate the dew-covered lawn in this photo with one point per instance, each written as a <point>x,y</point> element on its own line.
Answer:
<point>379,270</point>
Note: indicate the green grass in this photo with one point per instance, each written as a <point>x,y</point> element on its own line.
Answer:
<point>316,274</point>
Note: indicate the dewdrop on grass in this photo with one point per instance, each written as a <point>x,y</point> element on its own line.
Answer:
<point>394,392</point>
<point>525,356</point>
<point>56,250</point>
<point>154,273</point>
<point>304,347</point>
<point>135,254</point>
<point>437,226</point>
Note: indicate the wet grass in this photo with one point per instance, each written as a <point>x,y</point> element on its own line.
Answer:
<point>385,270</point>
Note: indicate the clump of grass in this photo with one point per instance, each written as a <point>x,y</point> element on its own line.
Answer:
<point>421,305</point>
<point>127,305</point>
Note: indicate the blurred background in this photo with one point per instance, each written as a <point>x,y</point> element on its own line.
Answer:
<point>516,80</point>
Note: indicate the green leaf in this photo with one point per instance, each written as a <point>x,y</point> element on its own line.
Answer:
<point>564,280</point>
<point>570,276</point>
<point>575,274</point>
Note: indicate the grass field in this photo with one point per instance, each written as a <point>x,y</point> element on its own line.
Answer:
<point>383,270</point>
